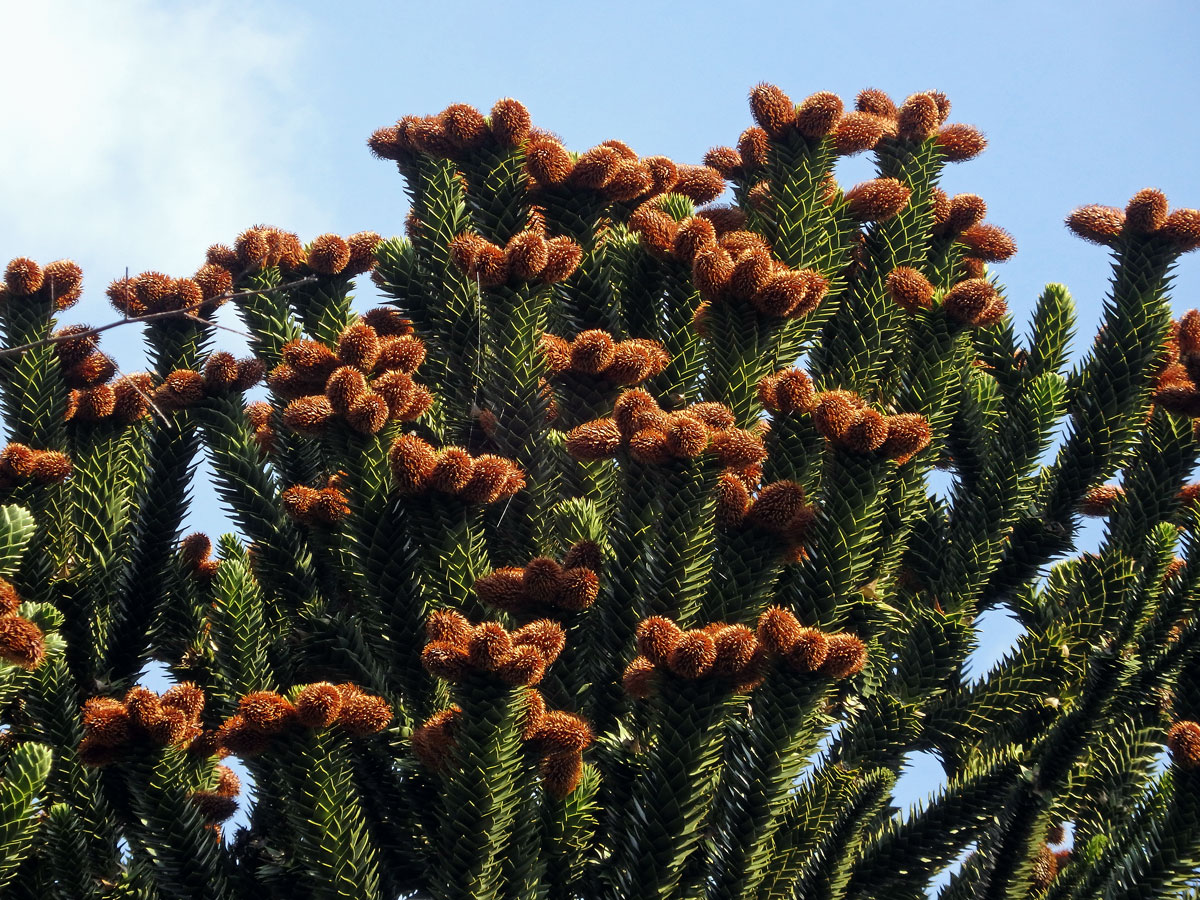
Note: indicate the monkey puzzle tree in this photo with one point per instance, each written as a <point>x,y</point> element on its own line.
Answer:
<point>603,561</point>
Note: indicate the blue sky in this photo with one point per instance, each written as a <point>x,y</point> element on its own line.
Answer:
<point>145,131</point>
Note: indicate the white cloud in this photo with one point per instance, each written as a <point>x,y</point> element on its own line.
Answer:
<point>142,132</point>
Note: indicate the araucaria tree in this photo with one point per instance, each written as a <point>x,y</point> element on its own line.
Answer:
<point>603,561</point>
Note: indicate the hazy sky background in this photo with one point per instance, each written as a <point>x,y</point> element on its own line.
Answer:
<point>134,134</point>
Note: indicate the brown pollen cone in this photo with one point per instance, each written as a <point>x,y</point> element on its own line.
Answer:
<point>693,655</point>
<point>563,256</point>
<point>1182,228</point>
<point>656,638</point>
<point>504,589</point>
<point>595,168</point>
<point>772,109</point>
<point>266,712</point>
<point>778,630</point>
<point>106,721</point>
<point>846,656</point>
<point>712,268</point>
<point>866,433</point>
<point>579,589</point>
<point>445,625</point>
<point>561,772</point>
<point>318,705</point>
<point>692,236</point>
<point>909,289</point>
<point>445,660</point>
<point>542,579</point>
<point>649,446</point>
<point>687,436</point>
<point>736,646</point>
<point>547,161</point>
<point>725,160</point>
<point>702,184</point>
<point>21,642</point>
<point>858,131</point>
<point>918,117</point>
<point>62,281</point>
<point>598,439</point>
<point>1100,500</point>
<point>738,448</point>
<point>544,635</point>
<point>907,434</point>
<point>877,200</point>
<point>1183,740</point>
<point>631,179</point>
<point>560,730</point>
<point>732,500</point>
<point>592,351</point>
<point>433,742</point>
<point>776,506</point>
<point>966,211</point>
<point>464,126</point>
<point>639,678</point>
<point>488,645</point>
<point>1146,212</point>
<point>753,147</point>
<point>9,599</point>
<point>363,714</point>
<point>875,102</point>
<point>1098,224</point>
<point>522,666</point>
<point>967,300</point>
<point>818,114</point>
<point>510,122</point>
<point>655,228</point>
<point>527,254</point>
<point>988,242</point>
<point>358,346</point>
<point>960,142</point>
<point>308,415</point>
<point>834,412</point>
<point>809,651</point>
<point>23,276</point>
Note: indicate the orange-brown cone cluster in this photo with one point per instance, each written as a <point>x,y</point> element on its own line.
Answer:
<point>195,553</point>
<point>260,416</point>
<point>557,736</point>
<point>844,419</point>
<point>454,132</point>
<point>264,715</point>
<point>974,302</point>
<point>112,727</point>
<point>718,650</point>
<point>60,282</point>
<point>641,428</point>
<point>261,246</point>
<point>779,508</point>
<point>418,468</point>
<point>21,641</point>
<point>316,506</point>
<point>1145,214</point>
<point>528,256</point>
<point>1183,740</point>
<point>20,464</point>
<point>220,803</point>
<point>366,381</point>
<point>594,352</point>
<point>734,266</point>
<point>544,583</point>
<point>154,292</point>
<point>456,648</point>
<point>1176,389</point>
<point>88,372</point>
<point>809,650</point>
<point>1100,500</point>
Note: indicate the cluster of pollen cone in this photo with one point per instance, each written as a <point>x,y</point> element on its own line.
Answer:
<point>457,651</point>
<point>21,641</point>
<point>113,728</point>
<point>366,380</point>
<point>738,654</point>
